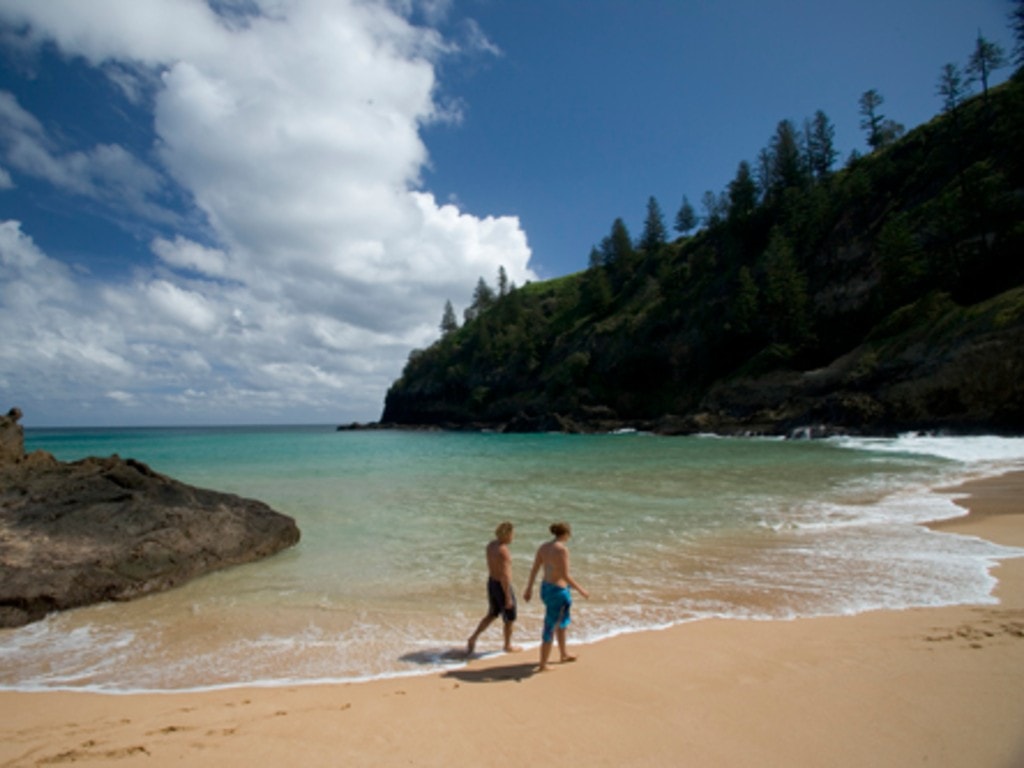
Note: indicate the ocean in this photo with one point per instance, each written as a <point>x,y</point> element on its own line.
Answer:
<point>389,577</point>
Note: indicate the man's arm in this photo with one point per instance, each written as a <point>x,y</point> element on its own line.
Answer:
<point>506,574</point>
<point>533,575</point>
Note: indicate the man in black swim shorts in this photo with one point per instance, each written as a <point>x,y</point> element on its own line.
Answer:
<point>501,596</point>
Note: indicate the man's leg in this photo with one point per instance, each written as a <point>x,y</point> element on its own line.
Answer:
<point>485,622</point>
<point>565,657</point>
<point>545,653</point>
<point>509,648</point>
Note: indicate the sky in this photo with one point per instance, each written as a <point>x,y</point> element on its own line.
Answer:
<point>252,211</point>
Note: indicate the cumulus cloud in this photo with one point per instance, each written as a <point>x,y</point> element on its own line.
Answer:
<point>293,127</point>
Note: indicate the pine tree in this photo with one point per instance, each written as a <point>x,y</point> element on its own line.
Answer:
<point>448,322</point>
<point>742,193</point>
<point>744,307</point>
<point>986,58</point>
<point>952,88</point>
<point>819,136</point>
<point>1017,25</point>
<point>617,247</point>
<point>786,168</point>
<point>715,207</point>
<point>654,235</point>
<point>871,118</point>
<point>785,294</point>
<point>686,218</point>
<point>483,299</point>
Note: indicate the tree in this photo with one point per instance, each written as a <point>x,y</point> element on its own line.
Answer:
<point>785,293</point>
<point>715,208</point>
<point>483,299</point>
<point>502,282</point>
<point>596,290</point>
<point>618,254</point>
<point>902,260</point>
<point>654,235</point>
<point>744,307</point>
<point>819,138</point>
<point>742,193</point>
<point>617,247</point>
<point>986,58</point>
<point>448,322</point>
<point>952,88</point>
<point>483,295</point>
<point>871,118</point>
<point>890,132</point>
<point>686,218</point>
<point>785,166</point>
<point>1017,25</point>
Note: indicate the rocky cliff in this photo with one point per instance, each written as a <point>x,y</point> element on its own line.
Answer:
<point>103,529</point>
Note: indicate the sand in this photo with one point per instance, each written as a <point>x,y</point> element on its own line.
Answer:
<point>937,687</point>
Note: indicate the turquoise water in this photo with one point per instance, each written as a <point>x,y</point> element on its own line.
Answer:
<point>388,577</point>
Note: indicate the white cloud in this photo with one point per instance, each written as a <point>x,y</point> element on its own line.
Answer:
<point>296,132</point>
<point>183,253</point>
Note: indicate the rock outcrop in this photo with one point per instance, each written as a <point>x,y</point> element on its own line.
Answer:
<point>104,529</point>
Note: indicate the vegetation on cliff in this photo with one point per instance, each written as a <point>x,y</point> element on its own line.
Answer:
<point>885,295</point>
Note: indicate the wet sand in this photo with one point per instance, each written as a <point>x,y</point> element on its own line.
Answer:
<point>936,686</point>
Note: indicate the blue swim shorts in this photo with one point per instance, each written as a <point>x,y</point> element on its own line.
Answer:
<point>557,602</point>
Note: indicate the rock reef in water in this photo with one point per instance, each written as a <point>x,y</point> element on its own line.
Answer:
<point>101,529</point>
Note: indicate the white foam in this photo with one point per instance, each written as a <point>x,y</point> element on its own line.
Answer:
<point>1001,452</point>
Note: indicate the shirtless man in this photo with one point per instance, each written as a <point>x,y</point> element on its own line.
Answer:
<point>554,591</point>
<point>501,596</point>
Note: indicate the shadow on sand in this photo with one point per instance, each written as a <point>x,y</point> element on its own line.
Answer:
<point>439,656</point>
<point>458,656</point>
<point>513,672</point>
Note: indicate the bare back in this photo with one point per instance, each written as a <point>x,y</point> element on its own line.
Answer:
<point>554,556</point>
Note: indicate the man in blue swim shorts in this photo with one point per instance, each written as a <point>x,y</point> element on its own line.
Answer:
<point>554,592</point>
<point>501,596</point>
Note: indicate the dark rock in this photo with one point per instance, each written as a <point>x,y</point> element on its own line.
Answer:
<point>102,529</point>
<point>12,437</point>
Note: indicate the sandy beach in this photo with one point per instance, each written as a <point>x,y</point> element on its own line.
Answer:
<point>940,686</point>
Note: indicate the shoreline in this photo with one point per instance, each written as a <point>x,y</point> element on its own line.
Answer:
<point>886,688</point>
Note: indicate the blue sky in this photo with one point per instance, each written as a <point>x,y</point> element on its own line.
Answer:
<point>250,211</point>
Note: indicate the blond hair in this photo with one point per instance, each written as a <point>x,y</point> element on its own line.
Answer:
<point>504,531</point>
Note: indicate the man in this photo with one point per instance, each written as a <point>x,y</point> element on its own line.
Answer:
<point>554,591</point>
<point>501,597</point>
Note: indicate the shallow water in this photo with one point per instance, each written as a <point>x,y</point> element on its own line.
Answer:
<point>389,575</point>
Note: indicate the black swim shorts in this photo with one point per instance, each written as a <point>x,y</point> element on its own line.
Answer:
<point>496,599</point>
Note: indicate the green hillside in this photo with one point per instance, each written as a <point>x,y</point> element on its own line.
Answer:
<point>883,296</point>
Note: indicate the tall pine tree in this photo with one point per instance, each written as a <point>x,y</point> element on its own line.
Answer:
<point>819,137</point>
<point>654,235</point>
<point>686,218</point>
<point>986,58</point>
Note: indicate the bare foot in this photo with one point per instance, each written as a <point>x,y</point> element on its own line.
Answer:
<point>513,649</point>
<point>544,668</point>
<point>567,658</point>
<point>470,646</point>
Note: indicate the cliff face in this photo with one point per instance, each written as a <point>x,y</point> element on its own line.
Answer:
<point>960,371</point>
<point>102,529</point>
<point>883,297</point>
